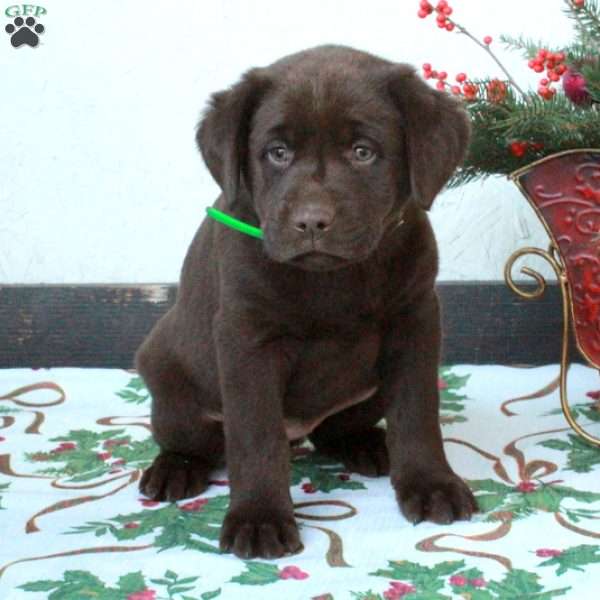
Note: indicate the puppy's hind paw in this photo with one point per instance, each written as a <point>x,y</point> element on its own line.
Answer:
<point>364,452</point>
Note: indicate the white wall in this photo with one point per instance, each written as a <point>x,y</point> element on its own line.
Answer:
<point>100,180</point>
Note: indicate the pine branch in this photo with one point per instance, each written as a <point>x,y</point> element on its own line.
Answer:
<point>541,127</point>
<point>591,72</point>
<point>528,47</point>
<point>586,21</point>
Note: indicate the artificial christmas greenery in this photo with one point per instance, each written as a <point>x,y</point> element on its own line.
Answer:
<point>513,127</point>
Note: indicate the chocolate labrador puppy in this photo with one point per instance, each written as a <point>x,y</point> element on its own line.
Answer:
<point>328,324</point>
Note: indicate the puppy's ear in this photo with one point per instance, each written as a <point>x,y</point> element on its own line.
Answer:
<point>222,134</point>
<point>437,132</point>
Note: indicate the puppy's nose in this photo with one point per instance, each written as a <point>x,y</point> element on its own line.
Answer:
<point>312,218</point>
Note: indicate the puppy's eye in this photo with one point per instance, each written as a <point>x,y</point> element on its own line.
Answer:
<point>363,154</point>
<point>280,155</point>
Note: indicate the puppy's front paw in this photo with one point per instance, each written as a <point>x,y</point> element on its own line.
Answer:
<point>440,497</point>
<point>251,532</point>
<point>173,477</point>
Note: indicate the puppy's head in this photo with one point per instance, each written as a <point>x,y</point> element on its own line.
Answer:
<point>326,147</point>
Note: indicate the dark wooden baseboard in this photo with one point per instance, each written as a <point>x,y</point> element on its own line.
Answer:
<point>102,325</point>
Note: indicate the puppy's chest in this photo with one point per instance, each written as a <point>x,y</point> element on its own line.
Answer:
<point>331,372</point>
<point>338,302</point>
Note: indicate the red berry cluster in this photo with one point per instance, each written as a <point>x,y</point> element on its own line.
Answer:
<point>468,90</point>
<point>430,73</point>
<point>579,3</point>
<point>308,488</point>
<point>519,149</point>
<point>443,9</point>
<point>496,91</point>
<point>554,64</point>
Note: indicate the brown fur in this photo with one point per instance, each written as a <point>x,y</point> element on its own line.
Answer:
<point>329,324</point>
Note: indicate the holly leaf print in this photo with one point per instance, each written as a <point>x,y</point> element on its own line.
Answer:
<point>76,585</point>
<point>135,391</point>
<point>573,558</point>
<point>524,499</point>
<point>522,584</point>
<point>426,580</point>
<point>412,580</point>
<point>83,455</point>
<point>323,474</point>
<point>257,573</point>
<point>589,411</point>
<point>193,524</point>
<point>451,400</point>
<point>582,457</point>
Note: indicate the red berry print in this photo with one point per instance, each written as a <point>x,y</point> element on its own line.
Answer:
<point>398,589</point>
<point>527,487</point>
<point>194,505</point>
<point>142,595</point>
<point>292,572</point>
<point>148,503</point>
<point>547,552</point>
<point>64,447</point>
<point>308,488</point>
<point>111,443</point>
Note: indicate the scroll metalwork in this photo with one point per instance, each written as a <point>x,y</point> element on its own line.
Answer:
<point>551,256</point>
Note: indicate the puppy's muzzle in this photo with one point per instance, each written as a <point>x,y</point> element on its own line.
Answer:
<point>312,220</point>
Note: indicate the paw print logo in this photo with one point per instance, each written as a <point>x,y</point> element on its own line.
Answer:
<point>24,32</point>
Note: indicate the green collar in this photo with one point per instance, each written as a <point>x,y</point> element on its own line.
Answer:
<point>234,223</point>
